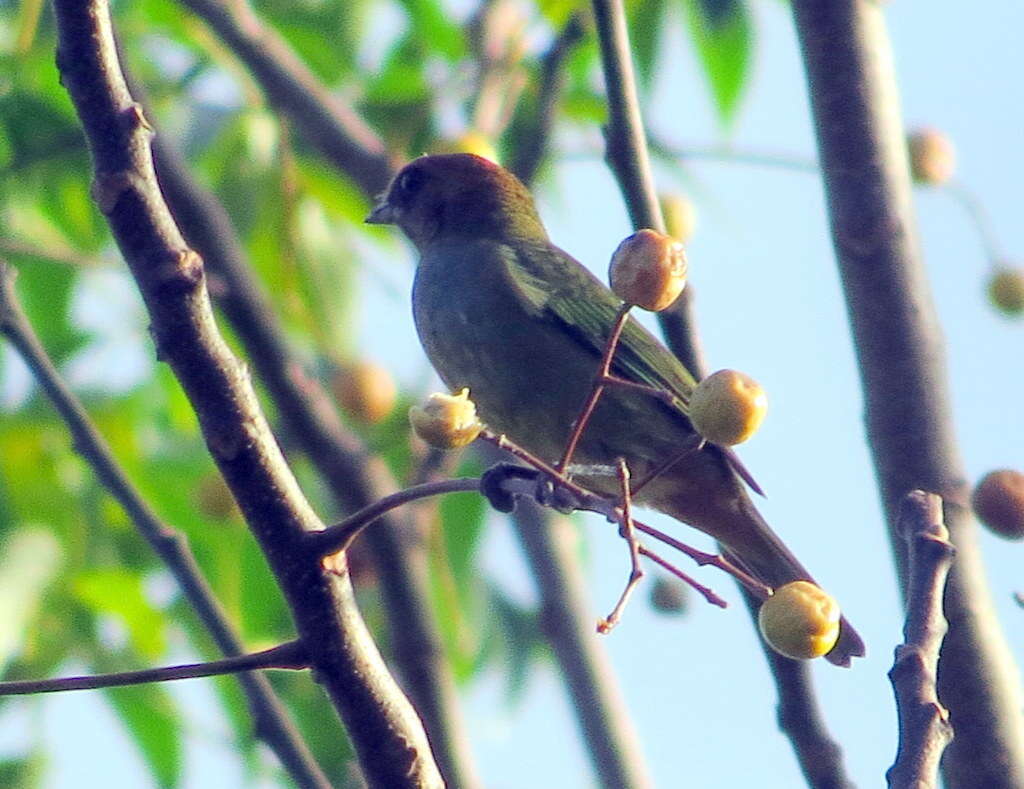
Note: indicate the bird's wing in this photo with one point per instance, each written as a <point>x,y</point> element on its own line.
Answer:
<point>560,289</point>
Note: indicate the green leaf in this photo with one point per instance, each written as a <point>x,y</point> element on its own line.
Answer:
<point>722,33</point>
<point>29,559</point>
<point>151,717</point>
<point>432,26</point>
<point>46,290</point>
<point>647,21</point>
<point>119,593</point>
<point>517,637</point>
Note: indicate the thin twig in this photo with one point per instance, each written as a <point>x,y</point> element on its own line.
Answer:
<point>270,718</point>
<point>705,591</point>
<point>600,379</point>
<point>979,216</point>
<point>285,656</point>
<point>340,536</point>
<point>636,572</point>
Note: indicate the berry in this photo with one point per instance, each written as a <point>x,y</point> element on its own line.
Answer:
<point>1006,290</point>
<point>649,270</point>
<point>800,621</point>
<point>998,501</point>
<point>365,389</point>
<point>932,157</point>
<point>446,421</point>
<point>728,407</point>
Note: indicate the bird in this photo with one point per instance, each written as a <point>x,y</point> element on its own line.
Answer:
<point>502,311</point>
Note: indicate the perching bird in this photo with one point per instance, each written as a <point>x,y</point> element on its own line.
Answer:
<point>503,311</point>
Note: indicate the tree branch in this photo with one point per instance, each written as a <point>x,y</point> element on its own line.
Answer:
<point>925,730</point>
<point>343,138</point>
<point>569,626</point>
<point>387,736</point>
<point>899,350</point>
<point>285,656</point>
<point>356,477</point>
<point>271,722</point>
<point>340,536</point>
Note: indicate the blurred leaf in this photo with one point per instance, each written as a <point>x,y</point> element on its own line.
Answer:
<point>431,25</point>
<point>516,636</point>
<point>151,718</point>
<point>723,36</point>
<point>46,290</point>
<point>23,773</point>
<point>29,559</point>
<point>119,593</point>
<point>647,22</point>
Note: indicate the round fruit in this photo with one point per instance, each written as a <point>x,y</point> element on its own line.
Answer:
<point>932,157</point>
<point>669,596</point>
<point>728,407</point>
<point>648,269</point>
<point>365,389</point>
<point>680,216</point>
<point>998,501</point>
<point>800,621</point>
<point>446,421</point>
<point>1006,290</point>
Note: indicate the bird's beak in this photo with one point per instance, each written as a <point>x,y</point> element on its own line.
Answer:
<point>383,214</point>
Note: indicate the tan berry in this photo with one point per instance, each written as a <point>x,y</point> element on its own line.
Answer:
<point>932,157</point>
<point>998,501</point>
<point>649,270</point>
<point>728,407</point>
<point>365,389</point>
<point>214,499</point>
<point>800,621</point>
<point>669,596</point>
<point>446,421</point>
<point>1006,290</point>
<point>680,216</point>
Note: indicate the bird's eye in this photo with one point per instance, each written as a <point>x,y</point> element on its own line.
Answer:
<point>409,182</point>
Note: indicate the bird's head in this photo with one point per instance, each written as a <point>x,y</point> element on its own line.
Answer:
<point>458,195</point>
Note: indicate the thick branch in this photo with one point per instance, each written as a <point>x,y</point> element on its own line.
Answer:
<point>600,711</point>
<point>388,738</point>
<point>269,715</point>
<point>902,366</point>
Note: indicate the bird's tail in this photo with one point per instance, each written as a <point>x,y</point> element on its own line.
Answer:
<point>734,521</point>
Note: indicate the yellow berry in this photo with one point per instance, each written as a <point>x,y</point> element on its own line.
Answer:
<point>800,621</point>
<point>446,421</point>
<point>365,389</point>
<point>932,157</point>
<point>998,501</point>
<point>1006,290</point>
<point>680,216</point>
<point>470,141</point>
<point>649,270</point>
<point>728,407</point>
